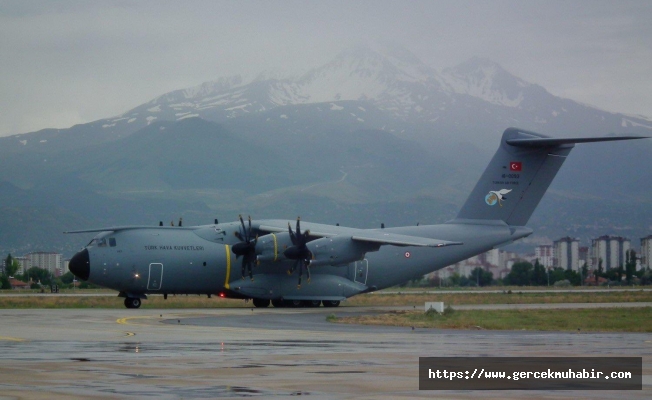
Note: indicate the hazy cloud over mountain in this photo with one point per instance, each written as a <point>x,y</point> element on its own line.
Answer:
<point>69,62</point>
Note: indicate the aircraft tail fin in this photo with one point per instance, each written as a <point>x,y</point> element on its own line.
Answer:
<point>519,174</point>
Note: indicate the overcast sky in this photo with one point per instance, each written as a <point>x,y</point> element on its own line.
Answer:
<point>69,62</point>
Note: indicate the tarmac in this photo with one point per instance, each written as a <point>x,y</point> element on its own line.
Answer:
<point>243,352</point>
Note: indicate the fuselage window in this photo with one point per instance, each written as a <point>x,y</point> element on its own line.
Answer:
<point>112,242</point>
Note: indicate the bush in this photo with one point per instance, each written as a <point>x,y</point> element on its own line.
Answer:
<point>562,283</point>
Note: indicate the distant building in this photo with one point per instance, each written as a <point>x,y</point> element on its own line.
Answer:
<point>492,257</point>
<point>566,253</point>
<point>48,261</point>
<point>544,254</point>
<point>16,284</point>
<point>646,252</point>
<point>612,250</point>
<point>23,265</point>
<point>584,256</point>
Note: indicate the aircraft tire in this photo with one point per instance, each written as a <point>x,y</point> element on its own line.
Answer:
<point>331,303</point>
<point>261,303</point>
<point>277,303</point>
<point>293,303</point>
<point>132,302</point>
<point>311,303</point>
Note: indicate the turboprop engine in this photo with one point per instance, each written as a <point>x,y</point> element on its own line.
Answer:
<point>271,247</point>
<point>338,250</point>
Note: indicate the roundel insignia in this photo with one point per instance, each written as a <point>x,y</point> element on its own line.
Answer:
<point>491,199</point>
<point>407,254</point>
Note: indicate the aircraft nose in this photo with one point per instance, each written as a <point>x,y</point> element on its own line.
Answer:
<point>80,265</point>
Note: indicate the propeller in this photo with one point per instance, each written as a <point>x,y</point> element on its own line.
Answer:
<point>246,248</point>
<point>298,251</point>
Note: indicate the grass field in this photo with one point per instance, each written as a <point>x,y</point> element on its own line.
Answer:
<point>416,299</point>
<point>575,320</point>
<point>523,297</point>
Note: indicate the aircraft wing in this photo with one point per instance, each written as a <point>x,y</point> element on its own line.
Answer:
<point>360,235</point>
<point>400,240</point>
<point>316,230</point>
<point>129,227</point>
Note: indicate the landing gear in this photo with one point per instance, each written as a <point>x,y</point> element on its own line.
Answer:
<point>132,302</point>
<point>311,303</point>
<point>293,303</point>
<point>278,303</point>
<point>261,303</point>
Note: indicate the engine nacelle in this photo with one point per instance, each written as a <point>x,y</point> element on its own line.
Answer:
<point>271,247</point>
<point>338,250</point>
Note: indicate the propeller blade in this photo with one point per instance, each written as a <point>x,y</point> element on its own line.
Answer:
<point>292,237</point>
<point>300,273</point>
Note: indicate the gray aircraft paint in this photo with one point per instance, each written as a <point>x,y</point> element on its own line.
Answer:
<point>199,260</point>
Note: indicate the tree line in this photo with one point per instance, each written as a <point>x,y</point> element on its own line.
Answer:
<point>525,273</point>
<point>38,276</point>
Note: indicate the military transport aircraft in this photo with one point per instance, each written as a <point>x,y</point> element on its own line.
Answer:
<point>315,264</point>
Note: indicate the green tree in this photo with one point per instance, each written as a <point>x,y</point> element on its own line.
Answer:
<point>585,272</point>
<point>479,275</point>
<point>11,265</point>
<point>4,282</point>
<point>630,265</point>
<point>8,260</point>
<point>573,277</point>
<point>557,274</point>
<point>539,276</point>
<point>520,275</point>
<point>37,274</point>
<point>620,271</point>
<point>67,278</point>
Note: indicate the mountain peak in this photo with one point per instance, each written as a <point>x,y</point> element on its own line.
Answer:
<point>488,80</point>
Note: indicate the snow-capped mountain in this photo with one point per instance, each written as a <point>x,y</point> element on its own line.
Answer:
<point>393,81</point>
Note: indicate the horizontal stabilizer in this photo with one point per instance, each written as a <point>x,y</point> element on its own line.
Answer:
<point>547,142</point>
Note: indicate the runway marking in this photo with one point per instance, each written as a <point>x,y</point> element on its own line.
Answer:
<point>12,339</point>
<point>126,320</point>
<point>130,334</point>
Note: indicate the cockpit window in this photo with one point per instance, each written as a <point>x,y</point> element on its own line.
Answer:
<point>101,242</point>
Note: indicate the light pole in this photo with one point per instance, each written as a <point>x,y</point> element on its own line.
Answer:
<point>548,273</point>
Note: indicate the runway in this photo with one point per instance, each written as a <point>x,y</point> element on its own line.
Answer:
<point>236,353</point>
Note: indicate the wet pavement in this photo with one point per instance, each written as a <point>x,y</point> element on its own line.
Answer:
<point>266,353</point>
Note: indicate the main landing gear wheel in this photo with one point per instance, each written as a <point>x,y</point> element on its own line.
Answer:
<point>331,303</point>
<point>292,303</point>
<point>261,303</point>
<point>311,303</point>
<point>132,302</point>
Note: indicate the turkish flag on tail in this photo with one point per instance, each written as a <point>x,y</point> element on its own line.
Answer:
<point>515,166</point>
